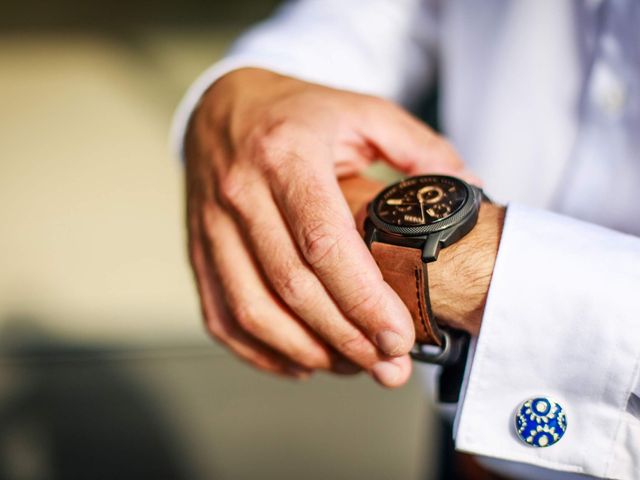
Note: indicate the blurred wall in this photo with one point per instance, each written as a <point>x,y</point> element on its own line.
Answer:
<point>105,371</point>
<point>112,15</point>
<point>90,197</point>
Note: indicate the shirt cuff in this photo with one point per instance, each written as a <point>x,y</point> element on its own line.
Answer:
<point>561,321</point>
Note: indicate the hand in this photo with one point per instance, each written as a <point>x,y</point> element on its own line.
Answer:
<point>284,279</point>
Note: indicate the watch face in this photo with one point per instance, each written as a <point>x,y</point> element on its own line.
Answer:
<point>420,201</point>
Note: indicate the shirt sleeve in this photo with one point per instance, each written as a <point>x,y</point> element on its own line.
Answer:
<point>378,47</point>
<point>562,320</point>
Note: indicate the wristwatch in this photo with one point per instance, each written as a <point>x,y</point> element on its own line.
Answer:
<point>406,226</point>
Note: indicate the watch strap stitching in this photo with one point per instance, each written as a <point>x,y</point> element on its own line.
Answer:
<point>419,295</point>
<point>397,264</point>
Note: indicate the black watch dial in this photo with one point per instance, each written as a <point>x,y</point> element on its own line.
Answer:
<point>421,201</point>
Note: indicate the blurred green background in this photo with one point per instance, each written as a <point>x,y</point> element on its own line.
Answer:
<point>105,370</point>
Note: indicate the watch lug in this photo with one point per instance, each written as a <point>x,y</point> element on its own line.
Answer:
<point>448,236</point>
<point>369,233</point>
<point>431,247</point>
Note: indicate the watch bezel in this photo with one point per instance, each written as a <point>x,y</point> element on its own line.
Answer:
<point>469,206</point>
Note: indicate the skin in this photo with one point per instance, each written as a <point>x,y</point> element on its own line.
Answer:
<point>284,278</point>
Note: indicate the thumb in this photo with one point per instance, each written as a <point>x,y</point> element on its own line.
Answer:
<point>408,144</point>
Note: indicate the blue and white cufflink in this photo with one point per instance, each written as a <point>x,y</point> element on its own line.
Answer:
<point>540,422</point>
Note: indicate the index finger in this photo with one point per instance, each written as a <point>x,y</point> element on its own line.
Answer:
<point>317,213</point>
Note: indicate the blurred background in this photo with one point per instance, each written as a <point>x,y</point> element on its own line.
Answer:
<point>105,369</point>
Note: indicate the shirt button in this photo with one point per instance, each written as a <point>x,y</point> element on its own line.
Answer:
<point>540,422</point>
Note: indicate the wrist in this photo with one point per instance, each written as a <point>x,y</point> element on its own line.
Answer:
<point>459,280</point>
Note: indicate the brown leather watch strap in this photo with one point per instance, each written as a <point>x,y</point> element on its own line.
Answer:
<point>403,269</point>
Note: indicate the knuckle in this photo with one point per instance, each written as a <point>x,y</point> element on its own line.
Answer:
<point>314,362</point>
<point>309,356</point>
<point>320,242</point>
<point>363,302</point>
<point>232,189</point>
<point>210,221</point>
<point>352,344</point>
<point>274,145</point>
<point>238,191</point>
<point>214,328</point>
<point>278,132</point>
<point>248,317</point>
<point>296,288</point>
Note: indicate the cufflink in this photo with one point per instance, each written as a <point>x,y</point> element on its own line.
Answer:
<point>540,422</point>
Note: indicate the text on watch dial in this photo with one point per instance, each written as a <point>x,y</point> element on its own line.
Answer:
<point>421,201</point>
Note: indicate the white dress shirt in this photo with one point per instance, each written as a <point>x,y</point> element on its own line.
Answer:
<point>542,100</point>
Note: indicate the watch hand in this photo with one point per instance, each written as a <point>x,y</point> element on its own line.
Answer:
<point>398,201</point>
<point>422,210</point>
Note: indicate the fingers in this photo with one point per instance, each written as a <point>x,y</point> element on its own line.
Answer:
<point>251,304</point>
<point>221,326</point>
<point>298,286</point>
<point>310,200</point>
<point>407,143</point>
